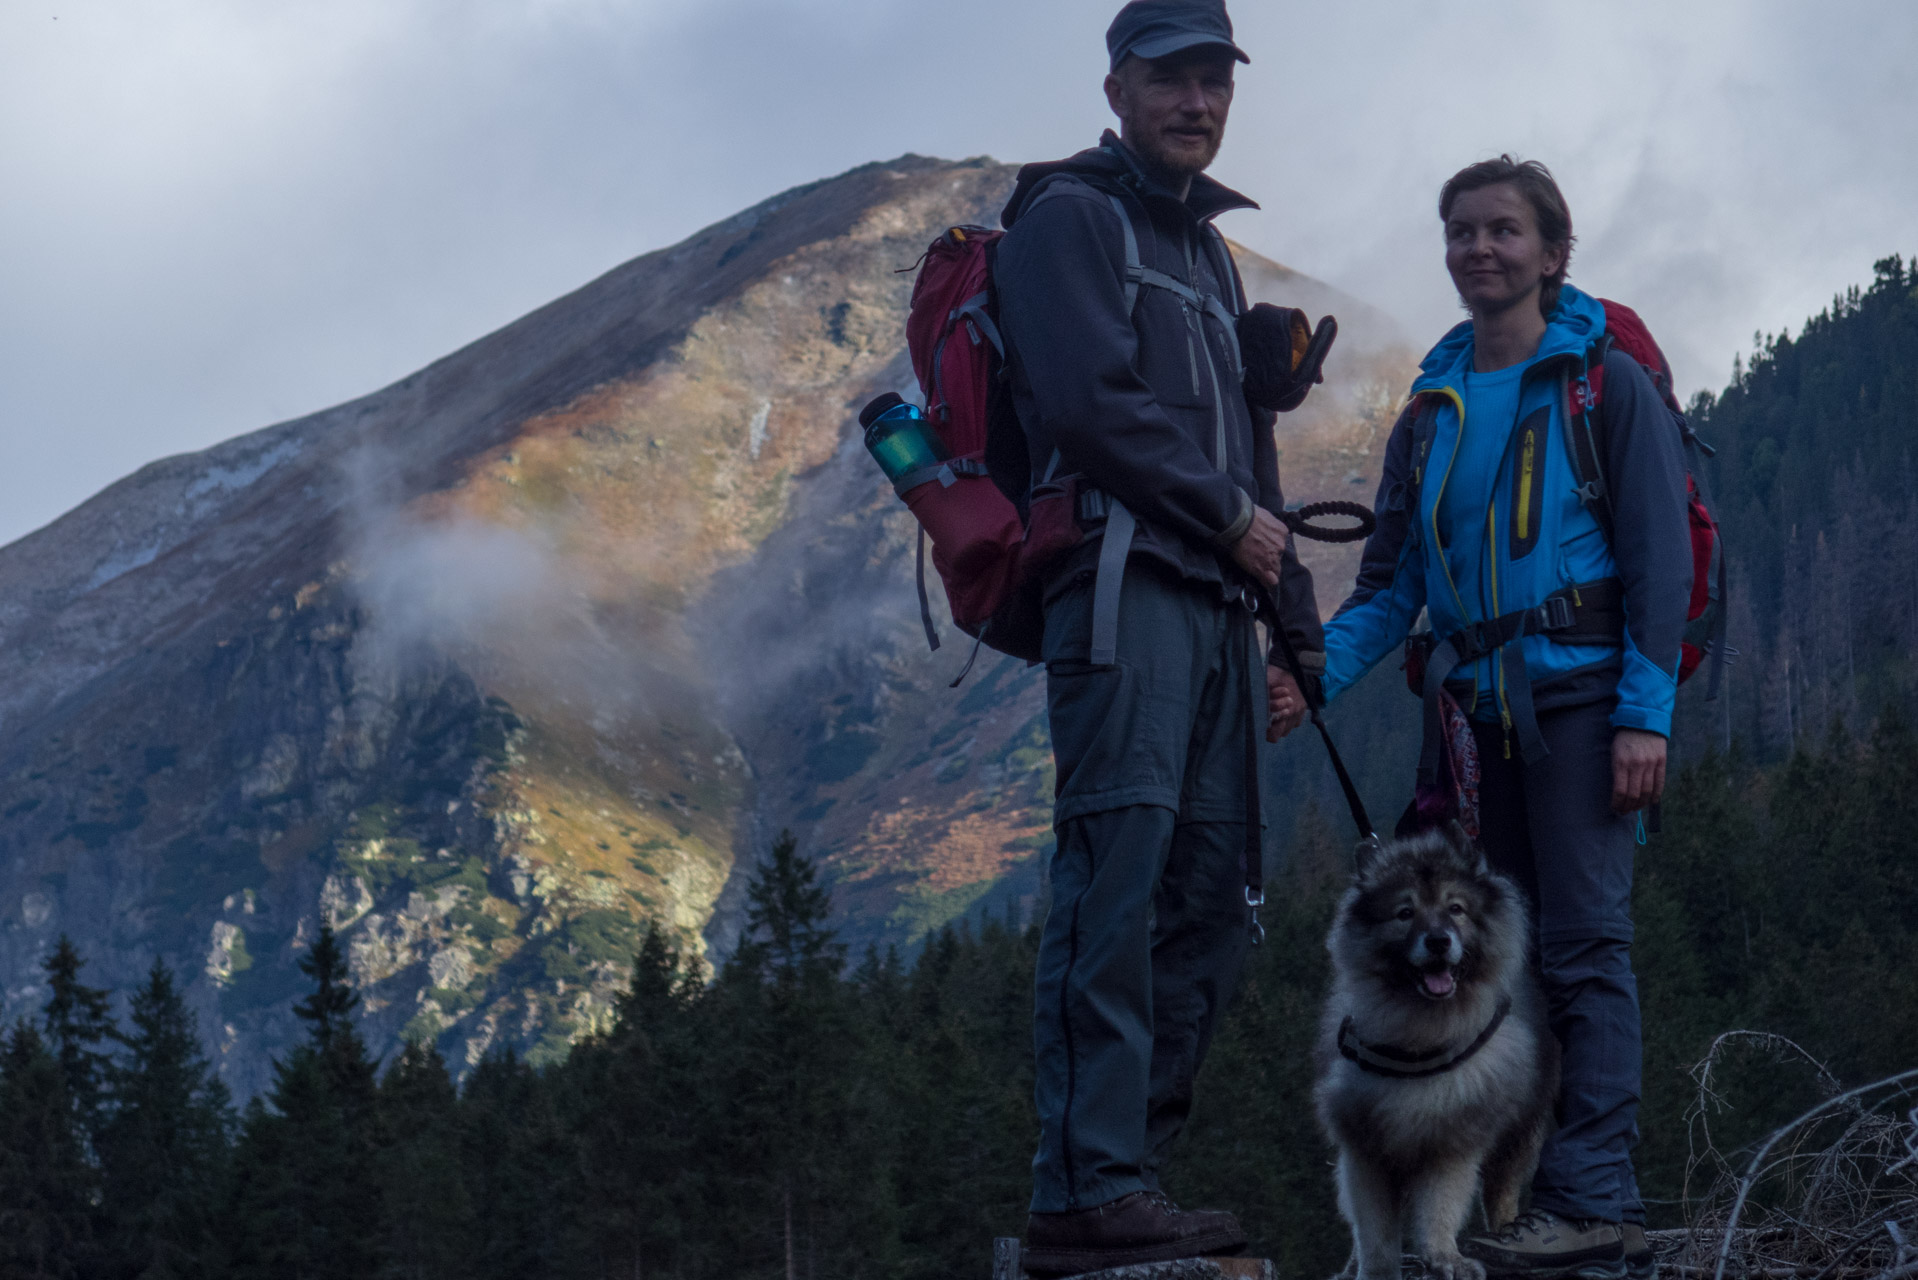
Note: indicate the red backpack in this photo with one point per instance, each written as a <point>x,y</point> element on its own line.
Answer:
<point>1705,632</point>
<point>989,541</point>
<point>995,527</point>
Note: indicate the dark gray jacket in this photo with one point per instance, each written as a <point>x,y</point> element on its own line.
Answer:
<point>1137,403</point>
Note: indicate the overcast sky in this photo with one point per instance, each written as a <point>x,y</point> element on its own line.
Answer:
<point>217,214</point>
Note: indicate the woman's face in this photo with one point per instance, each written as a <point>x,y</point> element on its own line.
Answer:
<point>1494,251</point>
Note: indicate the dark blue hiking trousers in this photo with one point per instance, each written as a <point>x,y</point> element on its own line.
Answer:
<point>1147,928</point>
<point>1550,827</point>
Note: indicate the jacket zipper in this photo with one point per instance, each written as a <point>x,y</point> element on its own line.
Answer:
<point>1191,355</point>
<point>1438,541</point>
<point>1522,526</point>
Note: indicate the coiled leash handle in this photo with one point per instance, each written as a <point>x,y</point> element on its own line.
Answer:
<point>1299,521</point>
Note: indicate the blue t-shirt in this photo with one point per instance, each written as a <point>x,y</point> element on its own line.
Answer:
<point>1491,410</point>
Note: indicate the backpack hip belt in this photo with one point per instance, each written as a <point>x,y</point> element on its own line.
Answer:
<point>1585,613</point>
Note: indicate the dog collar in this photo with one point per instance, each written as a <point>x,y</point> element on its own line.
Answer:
<point>1403,1064</point>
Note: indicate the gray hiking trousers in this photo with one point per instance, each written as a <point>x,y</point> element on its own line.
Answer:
<point>1147,928</point>
<point>1550,827</point>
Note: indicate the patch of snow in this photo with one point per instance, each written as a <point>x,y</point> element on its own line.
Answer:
<point>119,562</point>
<point>756,433</point>
<point>243,474</point>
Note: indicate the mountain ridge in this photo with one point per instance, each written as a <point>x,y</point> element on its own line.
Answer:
<point>491,665</point>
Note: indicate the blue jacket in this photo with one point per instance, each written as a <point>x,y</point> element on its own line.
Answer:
<point>1534,536</point>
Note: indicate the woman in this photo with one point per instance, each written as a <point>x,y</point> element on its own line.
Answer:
<point>1569,676</point>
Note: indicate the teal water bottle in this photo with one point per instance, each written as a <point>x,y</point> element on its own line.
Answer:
<point>900,439</point>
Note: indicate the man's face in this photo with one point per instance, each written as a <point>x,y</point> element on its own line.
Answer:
<point>1494,250</point>
<point>1172,110</point>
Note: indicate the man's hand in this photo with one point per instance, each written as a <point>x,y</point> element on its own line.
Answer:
<point>1638,769</point>
<point>1258,551</point>
<point>1284,702</point>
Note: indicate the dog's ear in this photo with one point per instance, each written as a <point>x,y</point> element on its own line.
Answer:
<point>1462,843</point>
<point>1366,853</point>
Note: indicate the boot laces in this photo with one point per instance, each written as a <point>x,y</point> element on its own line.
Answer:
<point>1530,1222</point>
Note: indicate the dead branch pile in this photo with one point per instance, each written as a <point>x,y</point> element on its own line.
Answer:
<point>1833,1195</point>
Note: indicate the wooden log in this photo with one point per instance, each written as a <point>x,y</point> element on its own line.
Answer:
<point>1006,1265</point>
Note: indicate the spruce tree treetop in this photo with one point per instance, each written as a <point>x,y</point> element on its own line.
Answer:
<point>787,912</point>
<point>78,1021</point>
<point>658,988</point>
<point>329,1009</point>
<point>163,1148</point>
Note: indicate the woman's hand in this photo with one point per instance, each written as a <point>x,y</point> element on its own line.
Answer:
<point>1284,702</point>
<point>1638,769</point>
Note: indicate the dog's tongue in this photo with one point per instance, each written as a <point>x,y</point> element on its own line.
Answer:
<point>1440,983</point>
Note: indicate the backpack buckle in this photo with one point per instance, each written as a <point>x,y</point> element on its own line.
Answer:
<point>1477,639</point>
<point>1555,614</point>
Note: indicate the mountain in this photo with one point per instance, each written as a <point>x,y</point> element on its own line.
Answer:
<point>1814,486</point>
<point>490,667</point>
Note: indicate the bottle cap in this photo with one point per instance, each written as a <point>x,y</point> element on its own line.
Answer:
<point>879,405</point>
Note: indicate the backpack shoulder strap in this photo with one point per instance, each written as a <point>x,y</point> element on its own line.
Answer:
<point>1584,423</point>
<point>1226,305</point>
<point>1138,275</point>
<point>1134,271</point>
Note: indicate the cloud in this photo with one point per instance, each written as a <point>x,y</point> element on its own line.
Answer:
<point>221,214</point>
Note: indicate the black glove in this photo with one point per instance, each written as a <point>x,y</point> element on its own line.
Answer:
<point>1284,356</point>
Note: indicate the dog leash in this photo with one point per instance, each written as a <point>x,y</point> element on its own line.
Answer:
<point>1401,1064</point>
<point>1315,705</point>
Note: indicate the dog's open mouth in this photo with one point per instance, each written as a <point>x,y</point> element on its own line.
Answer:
<point>1437,984</point>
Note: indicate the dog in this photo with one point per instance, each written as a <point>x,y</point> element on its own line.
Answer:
<point>1436,1069</point>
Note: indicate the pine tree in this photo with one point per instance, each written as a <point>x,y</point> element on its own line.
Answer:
<point>638,1147</point>
<point>427,1215</point>
<point>306,1203</point>
<point>328,1011</point>
<point>78,1022</point>
<point>47,1186</point>
<point>164,1145</point>
<point>800,1146</point>
<point>522,1170</point>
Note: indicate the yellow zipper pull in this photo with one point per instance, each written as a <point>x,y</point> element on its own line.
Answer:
<point>1577,603</point>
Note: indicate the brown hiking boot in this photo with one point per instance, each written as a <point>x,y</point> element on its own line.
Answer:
<point>1640,1262</point>
<point>1141,1227</point>
<point>1543,1246</point>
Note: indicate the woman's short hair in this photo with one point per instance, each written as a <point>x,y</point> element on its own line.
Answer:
<point>1534,182</point>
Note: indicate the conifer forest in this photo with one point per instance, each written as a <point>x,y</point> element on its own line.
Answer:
<point>805,1112</point>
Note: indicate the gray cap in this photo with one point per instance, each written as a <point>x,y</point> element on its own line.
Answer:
<point>1155,28</point>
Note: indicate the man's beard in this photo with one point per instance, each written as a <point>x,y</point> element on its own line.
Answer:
<point>1179,165</point>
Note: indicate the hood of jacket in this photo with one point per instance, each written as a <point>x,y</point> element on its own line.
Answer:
<point>1113,164</point>
<point>1575,324</point>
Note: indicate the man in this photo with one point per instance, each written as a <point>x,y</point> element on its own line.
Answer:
<point>1156,692</point>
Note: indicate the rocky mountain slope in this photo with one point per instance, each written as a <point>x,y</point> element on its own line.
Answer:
<point>489,667</point>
